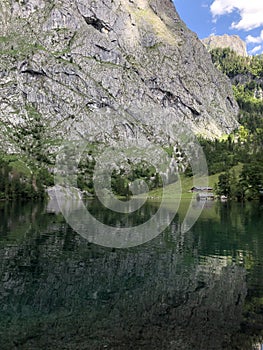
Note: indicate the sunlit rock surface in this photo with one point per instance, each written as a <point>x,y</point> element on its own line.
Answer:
<point>234,42</point>
<point>104,70</point>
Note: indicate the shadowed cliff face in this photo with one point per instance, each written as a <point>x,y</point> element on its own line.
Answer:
<point>104,70</point>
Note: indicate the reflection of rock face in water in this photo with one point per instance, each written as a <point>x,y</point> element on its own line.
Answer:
<point>58,193</point>
<point>59,292</point>
<point>113,228</point>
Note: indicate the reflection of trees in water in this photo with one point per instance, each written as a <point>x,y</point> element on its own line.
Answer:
<point>236,234</point>
<point>18,217</point>
<point>112,218</point>
<point>59,291</point>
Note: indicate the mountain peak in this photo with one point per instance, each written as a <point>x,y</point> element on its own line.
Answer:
<point>234,42</point>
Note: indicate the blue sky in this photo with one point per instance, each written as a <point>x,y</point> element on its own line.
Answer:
<point>218,17</point>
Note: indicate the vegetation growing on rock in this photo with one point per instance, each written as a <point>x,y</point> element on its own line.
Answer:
<point>246,144</point>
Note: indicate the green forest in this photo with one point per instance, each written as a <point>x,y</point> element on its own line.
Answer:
<point>244,145</point>
<point>17,181</point>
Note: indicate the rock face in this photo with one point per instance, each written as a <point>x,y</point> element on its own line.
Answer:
<point>232,41</point>
<point>104,69</point>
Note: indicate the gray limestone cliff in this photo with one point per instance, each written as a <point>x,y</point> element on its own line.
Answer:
<point>234,42</point>
<point>104,70</point>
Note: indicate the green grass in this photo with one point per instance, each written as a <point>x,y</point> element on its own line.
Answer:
<point>187,184</point>
<point>209,212</point>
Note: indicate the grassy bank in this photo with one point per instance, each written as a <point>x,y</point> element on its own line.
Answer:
<point>187,184</point>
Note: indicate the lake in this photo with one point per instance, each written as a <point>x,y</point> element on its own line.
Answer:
<point>202,289</point>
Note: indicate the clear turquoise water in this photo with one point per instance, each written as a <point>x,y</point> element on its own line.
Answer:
<point>198,290</point>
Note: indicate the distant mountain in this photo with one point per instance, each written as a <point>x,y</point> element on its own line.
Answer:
<point>232,41</point>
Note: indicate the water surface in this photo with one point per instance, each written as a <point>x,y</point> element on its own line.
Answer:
<point>199,290</point>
